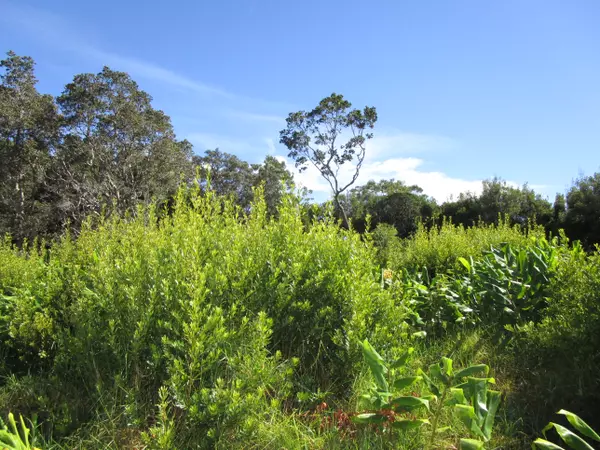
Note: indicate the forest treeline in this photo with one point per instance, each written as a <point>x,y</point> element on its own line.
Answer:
<point>101,146</point>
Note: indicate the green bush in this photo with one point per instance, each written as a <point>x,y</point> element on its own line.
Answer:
<point>210,302</point>
<point>439,247</point>
<point>557,362</point>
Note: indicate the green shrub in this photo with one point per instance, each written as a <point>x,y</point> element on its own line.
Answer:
<point>439,247</point>
<point>557,362</point>
<point>210,302</point>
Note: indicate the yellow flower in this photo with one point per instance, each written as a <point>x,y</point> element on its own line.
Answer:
<point>387,274</point>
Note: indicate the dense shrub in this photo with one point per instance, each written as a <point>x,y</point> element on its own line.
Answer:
<point>439,247</point>
<point>558,361</point>
<point>213,304</point>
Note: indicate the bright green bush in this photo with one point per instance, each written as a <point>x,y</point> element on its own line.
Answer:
<point>439,247</point>
<point>207,301</point>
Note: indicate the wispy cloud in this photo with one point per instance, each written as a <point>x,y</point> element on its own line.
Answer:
<point>154,72</point>
<point>393,143</point>
<point>54,30</point>
<point>247,148</point>
<point>254,117</point>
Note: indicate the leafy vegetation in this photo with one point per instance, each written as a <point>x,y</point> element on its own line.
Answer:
<point>152,298</point>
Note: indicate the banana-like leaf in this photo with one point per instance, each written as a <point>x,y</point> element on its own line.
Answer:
<point>568,437</point>
<point>472,370</point>
<point>403,358</point>
<point>402,383</point>
<point>409,424</point>
<point>467,415</point>
<point>493,401</point>
<point>369,418</point>
<point>465,263</point>
<point>471,444</point>
<point>377,366</point>
<point>580,425</point>
<point>430,384</point>
<point>545,445</point>
<point>409,403</point>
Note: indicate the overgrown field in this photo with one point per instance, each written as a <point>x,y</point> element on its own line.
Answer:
<point>211,328</point>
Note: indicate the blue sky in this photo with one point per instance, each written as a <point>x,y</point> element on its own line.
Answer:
<point>465,89</point>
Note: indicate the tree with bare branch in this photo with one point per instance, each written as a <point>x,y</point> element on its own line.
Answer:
<point>318,138</point>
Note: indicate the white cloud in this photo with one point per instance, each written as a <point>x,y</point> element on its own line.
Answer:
<point>393,143</point>
<point>435,184</point>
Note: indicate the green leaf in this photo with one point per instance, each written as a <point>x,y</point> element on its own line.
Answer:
<point>377,365</point>
<point>402,383</point>
<point>402,360</point>
<point>408,403</point>
<point>546,445</point>
<point>409,424</point>
<point>580,425</point>
<point>493,401</point>
<point>471,444</point>
<point>467,415</point>
<point>430,384</point>
<point>446,366</point>
<point>571,439</point>
<point>465,263</point>
<point>470,371</point>
<point>458,397</point>
<point>369,418</point>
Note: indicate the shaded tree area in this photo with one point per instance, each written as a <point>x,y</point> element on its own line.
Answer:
<point>230,176</point>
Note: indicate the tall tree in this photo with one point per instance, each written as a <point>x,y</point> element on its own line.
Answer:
<point>232,176</point>
<point>275,179</point>
<point>520,204</point>
<point>117,147</point>
<point>318,138</point>
<point>582,219</point>
<point>28,134</point>
<point>391,202</point>
<point>228,174</point>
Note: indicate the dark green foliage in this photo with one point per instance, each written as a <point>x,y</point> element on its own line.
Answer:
<point>520,205</point>
<point>582,219</point>
<point>228,175</point>
<point>558,360</point>
<point>29,125</point>
<point>389,202</point>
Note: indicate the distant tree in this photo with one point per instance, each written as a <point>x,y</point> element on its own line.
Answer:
<point>28,136</point>
<point>520,204</point>
<point>234,177</point>
<point>390,202</point>
<point>116,149</point>
<point>276,180</point>
<point>582,218</point>
<point>318,138</point>
<point>228,175</point>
